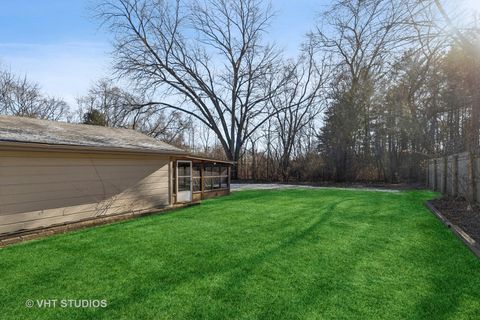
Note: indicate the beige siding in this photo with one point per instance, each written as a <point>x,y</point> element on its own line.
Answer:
<point>41,189</point>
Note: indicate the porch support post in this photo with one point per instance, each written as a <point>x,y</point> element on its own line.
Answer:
<point>202,178</point>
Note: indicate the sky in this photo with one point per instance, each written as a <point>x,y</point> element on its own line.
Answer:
<point>57,43</point>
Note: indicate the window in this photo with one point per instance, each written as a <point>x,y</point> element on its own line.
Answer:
<point>183,169</point>
<point>208,170</point>
<point>215,177</point>
<point>182,178</point>
<point>197,181</point>
<point>197,184</point>
<point>196,168</point>
<point>207,184</point>
<point>224,182</point>
<point>224,171</point>
<point>183,184</point>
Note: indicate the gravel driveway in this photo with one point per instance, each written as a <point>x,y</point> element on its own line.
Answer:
<point>264,186</point>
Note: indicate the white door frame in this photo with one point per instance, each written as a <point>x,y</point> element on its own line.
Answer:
<point>185,195</point>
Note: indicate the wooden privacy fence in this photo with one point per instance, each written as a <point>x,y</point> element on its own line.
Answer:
<point>456,175</point>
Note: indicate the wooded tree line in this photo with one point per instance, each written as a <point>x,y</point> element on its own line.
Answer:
<point>407,90</point>
<point>403,87</point>
<point>378,86</point>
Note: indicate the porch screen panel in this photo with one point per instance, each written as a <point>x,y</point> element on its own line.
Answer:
<point>216,177</point>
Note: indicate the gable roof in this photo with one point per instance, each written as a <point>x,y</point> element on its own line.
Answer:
<point>45,132</point>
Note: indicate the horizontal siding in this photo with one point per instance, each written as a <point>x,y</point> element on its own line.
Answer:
<point>26,189</point>
<point>65,200</point>
<point>77,216</point>
<point>41,191</point>
<point>78,175</point>
<point>96,192</point>
<point>105,169</point>
<point>100,209</point>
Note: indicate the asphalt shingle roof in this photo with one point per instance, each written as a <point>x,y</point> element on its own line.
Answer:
<point>28,130</point>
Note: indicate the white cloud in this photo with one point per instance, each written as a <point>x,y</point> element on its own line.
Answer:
<point>65,70</point>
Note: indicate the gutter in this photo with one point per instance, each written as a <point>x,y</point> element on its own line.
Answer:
<point>45,147</point>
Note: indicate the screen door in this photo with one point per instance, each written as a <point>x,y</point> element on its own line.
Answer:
<point>184,181</point>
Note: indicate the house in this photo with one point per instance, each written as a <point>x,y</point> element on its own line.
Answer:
<point>54,173</point>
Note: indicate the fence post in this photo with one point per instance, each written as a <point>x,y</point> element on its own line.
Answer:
<point>471,178</point>
<point>427,182</point>
<point>455,176</point>
<point>473,175</point>
<point>444,177</point>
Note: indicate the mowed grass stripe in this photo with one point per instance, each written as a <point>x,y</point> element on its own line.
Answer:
<point>270,254</point>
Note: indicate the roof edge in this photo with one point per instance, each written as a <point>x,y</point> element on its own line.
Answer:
<point>34,146</point>
<point>193,157</point>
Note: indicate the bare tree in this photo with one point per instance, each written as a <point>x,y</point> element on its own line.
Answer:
<point>121,109</point>
<point>299,103</point>
<point>206,58</point>
<point>21,97</point>
<point>115,104</point>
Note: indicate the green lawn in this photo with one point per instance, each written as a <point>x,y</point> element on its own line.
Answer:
<point>279,254</point>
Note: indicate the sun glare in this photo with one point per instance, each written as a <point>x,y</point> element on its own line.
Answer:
<point>473,5</point>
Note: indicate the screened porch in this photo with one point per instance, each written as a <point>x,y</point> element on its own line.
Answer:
<point>196,179</point>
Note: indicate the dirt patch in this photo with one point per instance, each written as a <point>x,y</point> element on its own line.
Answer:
<point>460,213</point>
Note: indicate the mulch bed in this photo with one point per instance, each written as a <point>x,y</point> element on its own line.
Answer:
<point>460,213</point>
